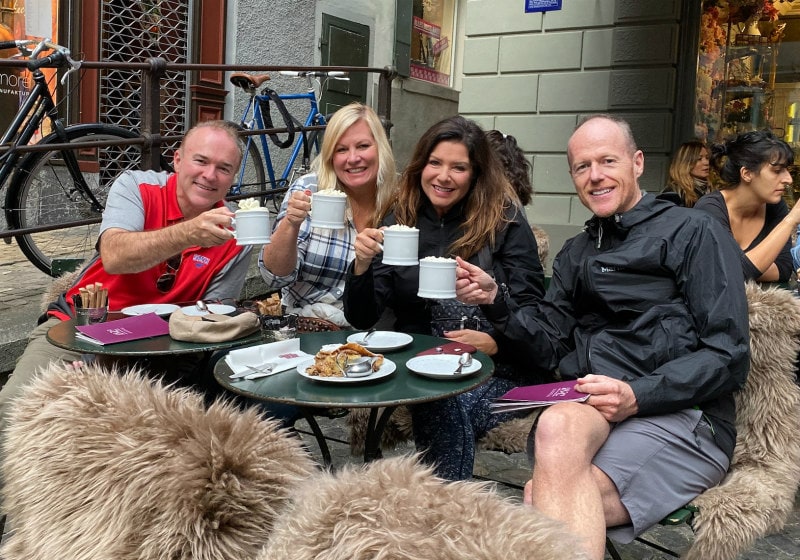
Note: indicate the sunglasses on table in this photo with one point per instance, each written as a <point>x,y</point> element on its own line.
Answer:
<point>166,281</point>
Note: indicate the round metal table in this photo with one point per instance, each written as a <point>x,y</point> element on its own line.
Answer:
<point>382,396</point>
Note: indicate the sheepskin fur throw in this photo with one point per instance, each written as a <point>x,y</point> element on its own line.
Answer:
<point>395,509</point>
<point>758,493</point>
<point>103,466</point>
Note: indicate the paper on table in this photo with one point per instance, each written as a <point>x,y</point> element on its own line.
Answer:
<point>283,355</point>
<point>533,396</point>
<point>126,329</point>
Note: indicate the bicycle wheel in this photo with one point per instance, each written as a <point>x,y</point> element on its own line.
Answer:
<point>251,179</point>
<point>45,193</point>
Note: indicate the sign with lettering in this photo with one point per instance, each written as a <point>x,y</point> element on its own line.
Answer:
<point>542,5</point>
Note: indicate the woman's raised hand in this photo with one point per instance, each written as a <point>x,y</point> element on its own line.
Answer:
<point>298,207</point>
<point>473,285</point>
<point>368,244</point>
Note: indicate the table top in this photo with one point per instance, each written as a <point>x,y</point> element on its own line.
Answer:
<point>401,387</point>
<point>63,336</point>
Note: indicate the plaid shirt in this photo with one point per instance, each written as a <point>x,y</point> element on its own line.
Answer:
<point>322,259</point>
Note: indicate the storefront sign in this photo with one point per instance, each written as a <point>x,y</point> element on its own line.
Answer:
<point>542,5</point>
<point>429,75</point>
<point>426,27</point>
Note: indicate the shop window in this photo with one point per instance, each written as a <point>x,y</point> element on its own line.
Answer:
<point>18,23</point>
<point>431,47</point>
<point>747,72</point>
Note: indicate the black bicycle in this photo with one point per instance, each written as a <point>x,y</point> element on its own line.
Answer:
<point>58,195</point>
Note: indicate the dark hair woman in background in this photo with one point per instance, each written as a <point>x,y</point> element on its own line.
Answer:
<point>754,169</point>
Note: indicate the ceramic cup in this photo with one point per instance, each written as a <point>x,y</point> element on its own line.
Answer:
<point>327,210</point>
<point>251,227</point>
<point>437,278</point>
<point>90,315</point>
<point>400,246</point>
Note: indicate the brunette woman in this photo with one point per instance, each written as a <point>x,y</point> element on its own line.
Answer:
<point>454,191</point>
<point>754,169</point>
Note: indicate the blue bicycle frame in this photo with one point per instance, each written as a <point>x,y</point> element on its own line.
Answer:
<point>313,118</point>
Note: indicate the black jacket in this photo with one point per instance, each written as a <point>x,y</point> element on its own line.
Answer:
<point>515,262</point>
<point>654,297</point>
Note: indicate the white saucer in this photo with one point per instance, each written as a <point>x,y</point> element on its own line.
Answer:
<point>145,308</point>
<point>441,366</point>
<point>387,368</point>
<point>382,341</point>
<point>217,308</point>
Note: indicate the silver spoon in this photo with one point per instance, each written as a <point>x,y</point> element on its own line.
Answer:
<point>366,336</point>
<point>201,306</point>
<point>357,367</point>
<point>463,361</point>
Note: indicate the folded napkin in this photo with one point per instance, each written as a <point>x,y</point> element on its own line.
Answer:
<point>457,348</point>
<point>281,355</point>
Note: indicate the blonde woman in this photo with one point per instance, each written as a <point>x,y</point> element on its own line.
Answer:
<point>308,264</point>
<point>688,174</point>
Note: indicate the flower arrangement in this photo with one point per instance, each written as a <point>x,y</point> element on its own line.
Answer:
<point>751,10</point>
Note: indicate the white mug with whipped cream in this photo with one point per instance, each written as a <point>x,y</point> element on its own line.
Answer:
<point>437,278</point>
<point>401,245</point>
<point>251,224</point>
<point>328,208</point>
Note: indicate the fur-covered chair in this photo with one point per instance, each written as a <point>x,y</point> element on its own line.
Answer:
<point>758,493</point>
<point>100,465</point>
<point>396,509</point>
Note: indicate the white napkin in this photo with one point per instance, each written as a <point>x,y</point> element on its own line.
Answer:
<point>282,355</point>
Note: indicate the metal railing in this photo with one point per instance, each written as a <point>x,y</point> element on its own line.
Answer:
<point>152,70</point>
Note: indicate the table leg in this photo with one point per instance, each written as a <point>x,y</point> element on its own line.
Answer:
<point>308,414</point>
<point>378,418</point>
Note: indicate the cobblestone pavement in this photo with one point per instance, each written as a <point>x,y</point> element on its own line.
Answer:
<point>512,471</point>
<point>21,283</point>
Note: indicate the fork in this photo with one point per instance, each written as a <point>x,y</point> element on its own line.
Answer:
<point>257,372</point>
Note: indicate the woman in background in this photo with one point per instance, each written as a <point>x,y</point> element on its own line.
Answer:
<point>754,169</point>
<point>688,174</point>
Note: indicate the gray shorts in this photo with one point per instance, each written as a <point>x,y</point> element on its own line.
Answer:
<point>659,464</point>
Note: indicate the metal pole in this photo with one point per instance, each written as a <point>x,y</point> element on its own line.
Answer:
<point>150,112</point>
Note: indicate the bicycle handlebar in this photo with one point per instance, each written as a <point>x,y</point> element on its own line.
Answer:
<point>335,74</point>
<point>35,62</point>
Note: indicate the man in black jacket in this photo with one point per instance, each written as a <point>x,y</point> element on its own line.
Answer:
<point>647,311</point>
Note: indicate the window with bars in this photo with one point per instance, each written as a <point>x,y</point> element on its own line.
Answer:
<point>135,31</point>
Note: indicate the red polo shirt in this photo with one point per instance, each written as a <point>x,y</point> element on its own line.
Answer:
<point>198,266</point>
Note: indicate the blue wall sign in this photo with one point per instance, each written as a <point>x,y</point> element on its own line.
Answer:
<point>542,5</point>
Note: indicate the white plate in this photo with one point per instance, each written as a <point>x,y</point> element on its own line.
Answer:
<point>217,308</point>
<point>145,308</point>
<point>387,368</point>
<point>382,341</point>
<point>441,366</point>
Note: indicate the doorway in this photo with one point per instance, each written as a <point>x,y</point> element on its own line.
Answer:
<point>344,43</point>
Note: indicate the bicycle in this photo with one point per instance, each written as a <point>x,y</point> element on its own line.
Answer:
<point>257,115</point>
<point>58,196</point>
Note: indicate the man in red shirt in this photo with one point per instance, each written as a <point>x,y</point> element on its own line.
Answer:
<point>164,238</point>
